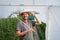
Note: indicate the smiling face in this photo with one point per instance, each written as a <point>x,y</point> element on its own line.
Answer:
<point>25,16</point>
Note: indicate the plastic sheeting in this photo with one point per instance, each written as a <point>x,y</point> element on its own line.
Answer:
<point>53,24</point>
<point>5,11</point>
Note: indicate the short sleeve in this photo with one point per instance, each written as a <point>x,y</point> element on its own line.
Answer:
<point>18,26</point>
<point>33,23</point>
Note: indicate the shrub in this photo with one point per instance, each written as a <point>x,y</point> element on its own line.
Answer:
<point>7,28</point>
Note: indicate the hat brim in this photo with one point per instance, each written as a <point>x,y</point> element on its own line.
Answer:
<point>25,12</point>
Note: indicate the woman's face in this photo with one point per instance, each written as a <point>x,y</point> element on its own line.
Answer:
<point>25,16</point>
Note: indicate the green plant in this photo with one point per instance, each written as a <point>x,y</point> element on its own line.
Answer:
<point>41,30</point>
<point>8,28</point>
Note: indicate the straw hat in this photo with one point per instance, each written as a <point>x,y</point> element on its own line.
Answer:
<point>24,11</point>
